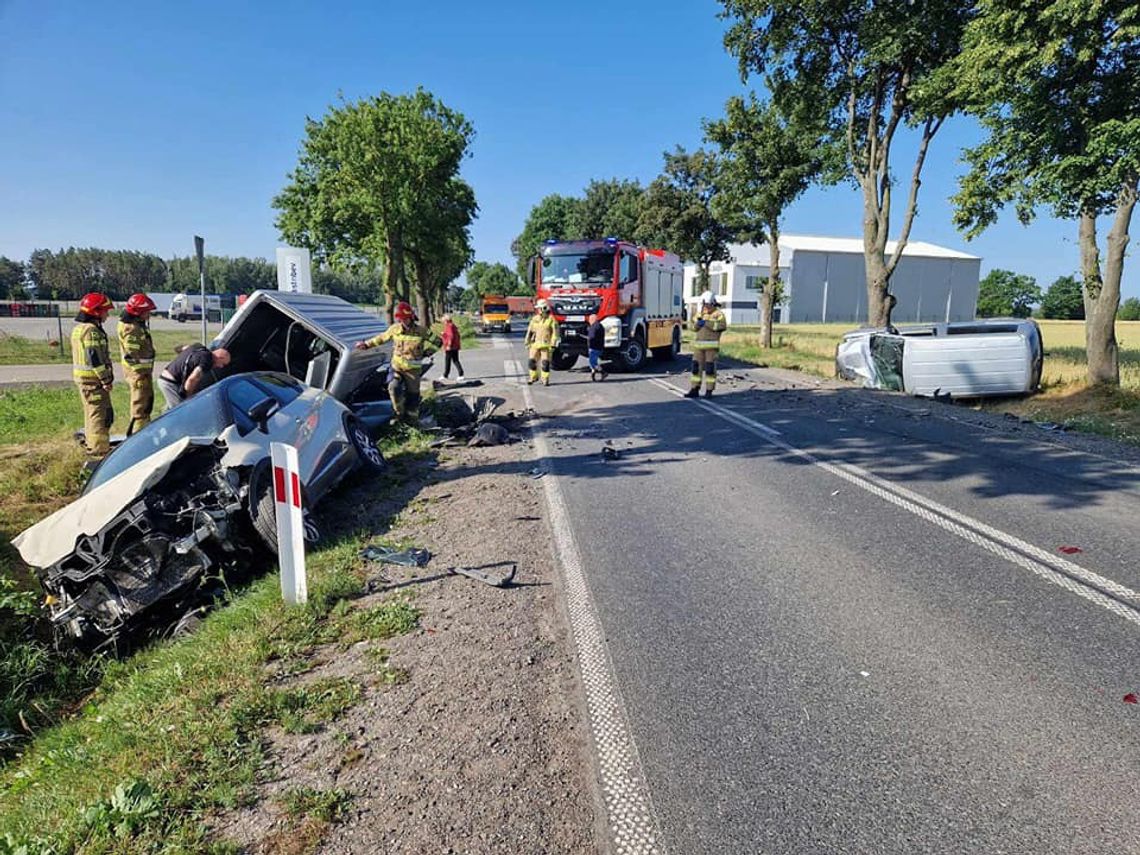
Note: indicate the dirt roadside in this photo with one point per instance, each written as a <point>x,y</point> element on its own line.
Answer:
<point>470,736</point>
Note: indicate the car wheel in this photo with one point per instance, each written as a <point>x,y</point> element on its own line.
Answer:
<point>262,512</point>
<point>370,456</point>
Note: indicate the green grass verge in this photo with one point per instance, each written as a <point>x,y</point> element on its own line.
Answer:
<point>131,755</point>
<point>15,350</point>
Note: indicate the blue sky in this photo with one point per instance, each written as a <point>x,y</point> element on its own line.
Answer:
<point>136,126</point>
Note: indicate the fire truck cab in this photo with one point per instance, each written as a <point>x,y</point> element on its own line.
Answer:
<point>635,292</point>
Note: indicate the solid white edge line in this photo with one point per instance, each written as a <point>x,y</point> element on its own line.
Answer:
<point>629,812</point>
<point>1066,574</point>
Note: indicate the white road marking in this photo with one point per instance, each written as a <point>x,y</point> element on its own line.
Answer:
<point>513,371</point>
<point>500,342</point>
<point>1078,580</point>
<point>629,812</point>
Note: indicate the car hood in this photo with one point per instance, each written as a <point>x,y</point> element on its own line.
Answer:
<point>54,538</point>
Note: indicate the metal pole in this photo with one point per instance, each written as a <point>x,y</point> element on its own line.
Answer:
<point>59,323</point>
<point>199,249</point>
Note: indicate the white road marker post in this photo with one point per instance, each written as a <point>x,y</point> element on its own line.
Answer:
<point>290,523</point>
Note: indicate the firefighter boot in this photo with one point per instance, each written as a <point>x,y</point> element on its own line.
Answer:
<point>694,392</point>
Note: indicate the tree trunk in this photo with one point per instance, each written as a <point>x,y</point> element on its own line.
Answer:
<point>393,273</point>
<point>1102,295</point>
<point>771,289</point>
<point>874,245</point>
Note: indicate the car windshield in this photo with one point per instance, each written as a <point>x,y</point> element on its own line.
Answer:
<point>595,266</point>
<point>202,415</point>
<point>495,309</point>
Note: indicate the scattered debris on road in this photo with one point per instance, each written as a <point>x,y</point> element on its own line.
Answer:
<point>480,574</point>
<point>413,557</point>
<point>1069,550</point>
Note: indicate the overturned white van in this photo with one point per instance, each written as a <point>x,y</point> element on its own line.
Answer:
<point>969,359</point>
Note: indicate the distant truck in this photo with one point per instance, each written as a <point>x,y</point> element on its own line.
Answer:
<point>635,291</point>
<point>521,305</point>
<point>495,314</point>
<point>188,307</point>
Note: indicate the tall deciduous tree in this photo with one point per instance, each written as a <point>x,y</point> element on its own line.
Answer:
<point>1003,293</point>
<point>368,173</point>
<point>485,278</point>
<point>1057,86</point>
<point>868,67</point>
<point>768,162</point>
<point>677,211</point>
<point>1063,300</point>
<point>607,209</point>
<point>554,217</point>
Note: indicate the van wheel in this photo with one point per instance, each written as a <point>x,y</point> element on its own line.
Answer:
<point>632,354</point>
<point>562,361</point>
<point>366,450</point>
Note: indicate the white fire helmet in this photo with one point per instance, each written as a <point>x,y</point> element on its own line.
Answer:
<point>708,299</point>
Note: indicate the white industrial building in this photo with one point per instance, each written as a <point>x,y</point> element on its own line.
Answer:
<point>825,281</point>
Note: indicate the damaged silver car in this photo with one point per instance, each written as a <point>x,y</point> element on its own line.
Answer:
<point>186,498</point>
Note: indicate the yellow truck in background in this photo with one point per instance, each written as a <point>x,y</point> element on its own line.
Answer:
<point>495,314</point>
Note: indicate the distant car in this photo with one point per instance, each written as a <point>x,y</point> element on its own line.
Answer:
<point>189,495</point>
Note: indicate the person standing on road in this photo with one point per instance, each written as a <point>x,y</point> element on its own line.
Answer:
<point>410,344</point>
<point>595,344</point>
<point>183,377</point>
<point>709,324</point>
<point>542,337</point>
<point>451,344</point>
<point>137,348</point>
<point>91,368</point>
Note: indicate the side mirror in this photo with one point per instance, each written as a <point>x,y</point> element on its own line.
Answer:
<point>530,270</point>
<point>260,412</point>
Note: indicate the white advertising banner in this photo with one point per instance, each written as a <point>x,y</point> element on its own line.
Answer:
<point>294,270</point>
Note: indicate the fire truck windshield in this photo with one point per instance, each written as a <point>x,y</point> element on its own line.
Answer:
<point>595,266</point>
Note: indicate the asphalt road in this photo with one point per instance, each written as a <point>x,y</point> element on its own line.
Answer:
<point>839,621</point>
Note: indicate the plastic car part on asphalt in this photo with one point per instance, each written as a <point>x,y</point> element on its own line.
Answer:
<point>413,557</point>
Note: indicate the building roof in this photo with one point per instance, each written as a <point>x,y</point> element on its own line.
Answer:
<point>757,254</point>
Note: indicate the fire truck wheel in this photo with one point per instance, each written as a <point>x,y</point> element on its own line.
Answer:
<point>671,351</point>
<point>633,353</point>
<point>561,361</point>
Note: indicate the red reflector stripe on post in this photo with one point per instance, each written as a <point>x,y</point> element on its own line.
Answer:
<point>296,490</point>
<point>279,483</point>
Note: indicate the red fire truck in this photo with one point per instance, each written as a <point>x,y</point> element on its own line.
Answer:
<point>634,291</point>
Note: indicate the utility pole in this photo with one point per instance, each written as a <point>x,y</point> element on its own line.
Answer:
<point>200,251</point>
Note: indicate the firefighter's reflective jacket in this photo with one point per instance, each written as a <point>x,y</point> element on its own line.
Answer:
<point>90,355</point>
<point>708,333</point>
<point>409,346</point>
<point>137,346</point>
<point>543,332</point>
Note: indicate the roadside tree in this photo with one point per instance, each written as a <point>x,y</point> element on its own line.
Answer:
<point>607,209</point>
<point>368,173</point>
<point>1003,294</point>
<point>1129,310</point>
<point>677,211</point>
<point>866,69</point>
<point>768,161</point>
<point>1056,87</point>
<point>12,279</point>
<point>554,217</point>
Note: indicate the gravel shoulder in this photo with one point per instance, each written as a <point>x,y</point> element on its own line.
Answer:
<point>470,735</point>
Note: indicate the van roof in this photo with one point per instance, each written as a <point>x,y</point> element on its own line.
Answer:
<point>330,317</point>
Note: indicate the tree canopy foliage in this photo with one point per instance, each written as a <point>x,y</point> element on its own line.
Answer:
<point>1056,87</point>
<point>1003,294</point>
<point>12,278</point>
<point>768,161</point>
<point>377,185</point>
<point>677,210</point>
<point>865,69</point>
<point>554,217</point>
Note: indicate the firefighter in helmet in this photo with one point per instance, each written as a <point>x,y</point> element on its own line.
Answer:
<point>138,358</point>
<point>410,344</point>
<point>709,324</point>
<point>91,369</point>
<point>542,337</point>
